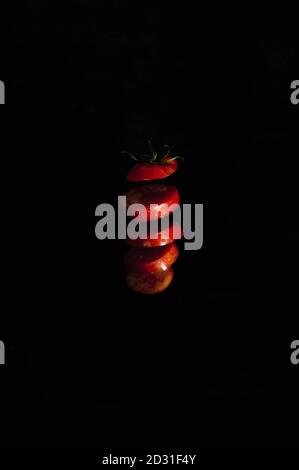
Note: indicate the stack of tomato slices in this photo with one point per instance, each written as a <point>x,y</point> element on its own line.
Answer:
<point>148,262</point>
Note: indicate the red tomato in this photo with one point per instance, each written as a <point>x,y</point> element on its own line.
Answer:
<point>150,261</point>
<point>163,238</point>
<point>150,283</point>
<point>152,171</point>
<point>155,197</point>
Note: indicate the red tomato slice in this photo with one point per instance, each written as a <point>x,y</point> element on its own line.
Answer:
<point>155,197</point>
<point>150,283</point>
<point>152,171</point>
<point>157,259</point>
<point>163,238</point>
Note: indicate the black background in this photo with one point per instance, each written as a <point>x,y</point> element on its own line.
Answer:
<point>207,363</point>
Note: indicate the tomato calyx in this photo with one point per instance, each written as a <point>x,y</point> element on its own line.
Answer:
<point>154,157</point>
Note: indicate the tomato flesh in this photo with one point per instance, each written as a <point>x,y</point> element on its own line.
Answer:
<point>156,198</point>
<point>163,238</point>
<point>152,171</point>
<point>154,260</point>
<point>150,283</point>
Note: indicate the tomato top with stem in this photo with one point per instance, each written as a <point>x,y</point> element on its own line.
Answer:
<point>152,166</point>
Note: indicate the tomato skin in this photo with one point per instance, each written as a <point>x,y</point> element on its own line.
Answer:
<point>164,238</point>
<point>152,171</point>
<point>150,283</point>
<point>157,259</point>
<point>156,198</point>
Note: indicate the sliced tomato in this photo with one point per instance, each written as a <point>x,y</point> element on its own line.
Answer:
<point>156,198</point>
<point>165,237</point>
<point>152,171</point>
<point>150,283</point>
<point>151,261</point>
